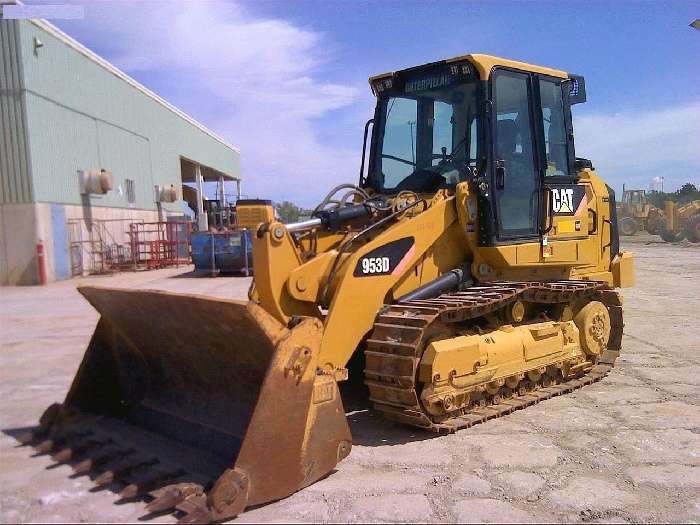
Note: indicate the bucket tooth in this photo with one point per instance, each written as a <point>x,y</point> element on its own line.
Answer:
<point>45,446</point>
<point>84,466</point>
<point>100,458</point>
<point>105,478</point>
<point>63,455</point>
<point>195,509</point>
<point>171,496</point>
<point>148,482</point>
<point>59,438</point>
<point>130,491</point>
<point>123,468</point>
<point>78,448</point>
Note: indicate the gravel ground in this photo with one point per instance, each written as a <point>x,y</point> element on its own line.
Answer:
<point>626,449</point>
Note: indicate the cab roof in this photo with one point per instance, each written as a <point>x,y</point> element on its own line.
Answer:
<point>484,64</point>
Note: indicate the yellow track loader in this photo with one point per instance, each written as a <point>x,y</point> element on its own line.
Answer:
<point>471,272</point>
<point>679,221</point>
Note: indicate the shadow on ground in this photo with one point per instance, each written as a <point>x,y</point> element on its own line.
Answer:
<point>369,428</point>
<point>202,274</point>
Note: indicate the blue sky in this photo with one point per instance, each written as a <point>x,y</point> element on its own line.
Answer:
<point>286,81</point>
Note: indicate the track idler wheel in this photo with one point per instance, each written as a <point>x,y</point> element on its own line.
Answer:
<point>593,322</point>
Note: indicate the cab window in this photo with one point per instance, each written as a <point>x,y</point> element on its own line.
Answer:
<point>442,124</point>
<point>399,141</point>
<point>555,140</point>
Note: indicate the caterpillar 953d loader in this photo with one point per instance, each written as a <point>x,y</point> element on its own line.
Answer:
<point>472,272</point>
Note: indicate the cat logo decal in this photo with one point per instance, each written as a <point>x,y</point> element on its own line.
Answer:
<point>563,200</point>
<point>568,200</point>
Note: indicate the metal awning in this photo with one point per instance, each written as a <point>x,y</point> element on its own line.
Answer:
<point>188,169</point>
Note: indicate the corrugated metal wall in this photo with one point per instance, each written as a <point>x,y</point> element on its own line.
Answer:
<point>82,116</point>
<point>15,179</point>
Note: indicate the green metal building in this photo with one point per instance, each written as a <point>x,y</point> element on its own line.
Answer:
<point>66,114</point>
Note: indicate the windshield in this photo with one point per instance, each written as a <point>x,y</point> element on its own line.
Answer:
<point>426,139</point>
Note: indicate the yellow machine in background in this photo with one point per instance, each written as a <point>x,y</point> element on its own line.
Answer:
<point>635,213</point>
<point>472,272</point>
<point>680,221</point>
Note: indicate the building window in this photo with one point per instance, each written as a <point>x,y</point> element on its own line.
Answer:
<point>130,192</point>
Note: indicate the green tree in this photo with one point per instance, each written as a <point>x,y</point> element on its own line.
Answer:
<point>657,198</point>
<point>686,193</point>
<point>288,211</point>
<point>688,189</point>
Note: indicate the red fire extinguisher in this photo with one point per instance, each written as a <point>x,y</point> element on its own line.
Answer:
<point>41,261</point>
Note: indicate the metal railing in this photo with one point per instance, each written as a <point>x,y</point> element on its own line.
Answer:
<point>150,245</point>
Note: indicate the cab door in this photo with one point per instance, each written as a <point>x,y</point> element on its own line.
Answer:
<point>516,180</point>
<point>568,199</point>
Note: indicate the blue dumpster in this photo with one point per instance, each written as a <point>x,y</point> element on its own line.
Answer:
<point>223,252</point>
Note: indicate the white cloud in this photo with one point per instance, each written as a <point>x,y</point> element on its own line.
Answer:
<point>635,147</point>
<point>260,83</point>
<point>262,77</point>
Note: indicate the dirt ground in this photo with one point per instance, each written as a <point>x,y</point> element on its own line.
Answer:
<point>626,449</point>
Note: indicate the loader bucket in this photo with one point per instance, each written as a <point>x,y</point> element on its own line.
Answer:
<point>216,404</point>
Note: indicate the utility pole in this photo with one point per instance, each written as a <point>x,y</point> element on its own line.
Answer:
<point>411,123</point>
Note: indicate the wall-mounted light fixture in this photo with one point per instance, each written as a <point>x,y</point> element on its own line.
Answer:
<point>37,45</point>
<point>95,182</point>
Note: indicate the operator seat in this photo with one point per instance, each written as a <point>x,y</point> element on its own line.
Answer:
<point>517,197</point>
<point>507,139</point>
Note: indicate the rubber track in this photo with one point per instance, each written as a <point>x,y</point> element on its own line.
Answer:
<point>395,347</point>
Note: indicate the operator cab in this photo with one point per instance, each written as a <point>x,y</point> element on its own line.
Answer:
<point>635,197</point>
<point>425,133</point>
<point>503,125</point>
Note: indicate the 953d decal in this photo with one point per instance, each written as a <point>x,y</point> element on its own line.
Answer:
<point>389,259</point>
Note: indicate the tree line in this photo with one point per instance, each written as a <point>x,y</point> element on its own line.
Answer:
<point>289,212</point>
<point>686,193</point>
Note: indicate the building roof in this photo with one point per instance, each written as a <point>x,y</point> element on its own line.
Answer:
<point>94,57</point>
